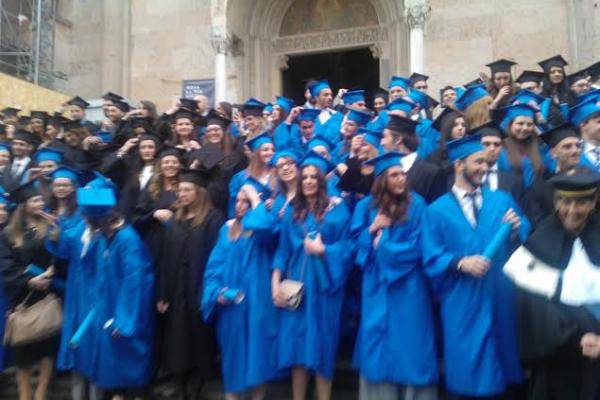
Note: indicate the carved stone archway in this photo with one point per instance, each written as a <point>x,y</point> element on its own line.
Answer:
<point>265,51</point>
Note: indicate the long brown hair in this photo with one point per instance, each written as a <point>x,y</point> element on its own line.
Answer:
<point>15,230</point>
<point>395,207</point>
<point>200,207</point>
<point>254,169</point>
<point>530,147</point>
<point>156,185</point>
<point>301,204</point>
<point>478,113</point>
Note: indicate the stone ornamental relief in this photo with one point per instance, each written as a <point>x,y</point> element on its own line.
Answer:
<point>310,16</point>
<point>330,39</point>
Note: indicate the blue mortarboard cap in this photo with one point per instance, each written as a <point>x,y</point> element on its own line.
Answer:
<point>401,103</point>
<point>360,117</point>
<point>319,140</point>
<point>268,108</point>
<point>584,110</point>
<point>317,86</point>
<point>470,96</point>
<point>383,162</point>
<point>253,107</point>
<point>353,96</point>
<point>525,96</point>
<point>308,114</point>
<point>49,154</point>
<point>264,191</point>
<point>5,146</point>
<point>101,182</point>
<point>66,172</point>
<point>285,153</point>
<point>592,94</point>
<point>371,136</point>
<point>460,149</point>
<point>285,103</point>
<point>315,159</point>
<point>106,137</point>
<point>401,81</point>
<point>459,91</point>
<point>516,110</point>
<point>255,143</point>
<point>96,202</point>
<point>419,98</point>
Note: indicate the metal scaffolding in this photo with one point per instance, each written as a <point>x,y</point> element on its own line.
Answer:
<point>27,40</point>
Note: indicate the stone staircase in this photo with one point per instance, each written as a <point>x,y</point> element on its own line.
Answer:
<point>345,387</point>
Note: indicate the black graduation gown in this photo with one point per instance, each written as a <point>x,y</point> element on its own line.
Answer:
<point>353,180</point>
<point>186,342</point>
<point>446,168</point>
<point>13,262</point>
<point>427,180</point>
<point>149,228</point>
<point>550,331</point>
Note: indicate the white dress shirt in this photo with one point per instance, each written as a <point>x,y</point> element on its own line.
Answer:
<point>408,161</point>
<point>467,205</point>
<point>145,175</point>
<point>592,152</point>
<point>18,166</point>
<point>491,178</point>
<point>326,113</point>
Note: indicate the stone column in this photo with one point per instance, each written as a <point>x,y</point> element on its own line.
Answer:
<point>416,13</point>
<point>222,43</point>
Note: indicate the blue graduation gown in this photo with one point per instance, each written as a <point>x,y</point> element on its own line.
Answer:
<point>396,340</point>
<point>308,336</point>
<point>245,331</point>
<point>235,184</point>
<point>477,314</point>
<point>126,285</point>
<point>79,248</point>
<point>330,130</point>
<point>527,170</point>
<point>428,138</point>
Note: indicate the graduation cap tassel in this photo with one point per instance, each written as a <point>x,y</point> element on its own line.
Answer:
<point>497,241</point>
<point>83,328</point>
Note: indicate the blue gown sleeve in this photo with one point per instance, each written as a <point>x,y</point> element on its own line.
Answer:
<point>337,258</point>
<point>284,249</point>
<point>359,233</point>
<point>132,297</point>
<point>62,246</point>
<point>282,136</point>
<point>437,259</point>
<point>213,275</point>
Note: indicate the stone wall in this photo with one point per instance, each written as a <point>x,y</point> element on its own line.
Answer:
<point>464,35</point>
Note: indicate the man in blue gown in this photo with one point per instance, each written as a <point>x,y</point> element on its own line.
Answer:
<point>477,303</point>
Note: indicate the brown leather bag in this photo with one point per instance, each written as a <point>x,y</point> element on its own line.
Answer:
<point>32,323</point>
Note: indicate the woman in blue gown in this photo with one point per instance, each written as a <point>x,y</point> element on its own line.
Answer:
<point>395,347</point>
<point>236,295</point>
<point>286,166</point>
<point>260,168</point>
<point>313,249</point>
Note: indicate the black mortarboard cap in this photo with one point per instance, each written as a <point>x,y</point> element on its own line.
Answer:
<point>196,177</point>
<point>401,124</point>
<point>446,114</point>
<point>24,120</point>
<point>188,104</point>
<point>416,77</point>
<point>69,124</point>
<point>594,71</point>
<point>554,136</point>
<point>57,119</point>
<point>27,137</point>
<point>582,74</point>
<point>171,151</point>
<point>530,76</point>
<point>24,192</point>
<point>381,93</point>
<point>112,96</point>
<point>582,183</point>
<point>10,111</point>
<point>209,156</point>
<point>501,65</point>
<point>490,128</point>
<point>79,102</point>
<point>141,122</point>
<point>121,105</point>
<point>214,118</point>
<point>43,115</point>
<point>556,61</point>
<point>185,113</point>
<point>150,136</point>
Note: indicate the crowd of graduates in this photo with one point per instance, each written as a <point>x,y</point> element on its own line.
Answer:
<point>263,237</point>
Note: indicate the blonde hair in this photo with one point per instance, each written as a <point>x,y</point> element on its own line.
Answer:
<point>155,187</point>
<point>15,230</point>
<point>200,208</point>
<point>478,113</point>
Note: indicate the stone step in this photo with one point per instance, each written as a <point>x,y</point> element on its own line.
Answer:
<point>345,387</point>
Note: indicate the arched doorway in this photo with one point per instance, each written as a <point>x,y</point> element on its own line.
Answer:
<point>276,32</point>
